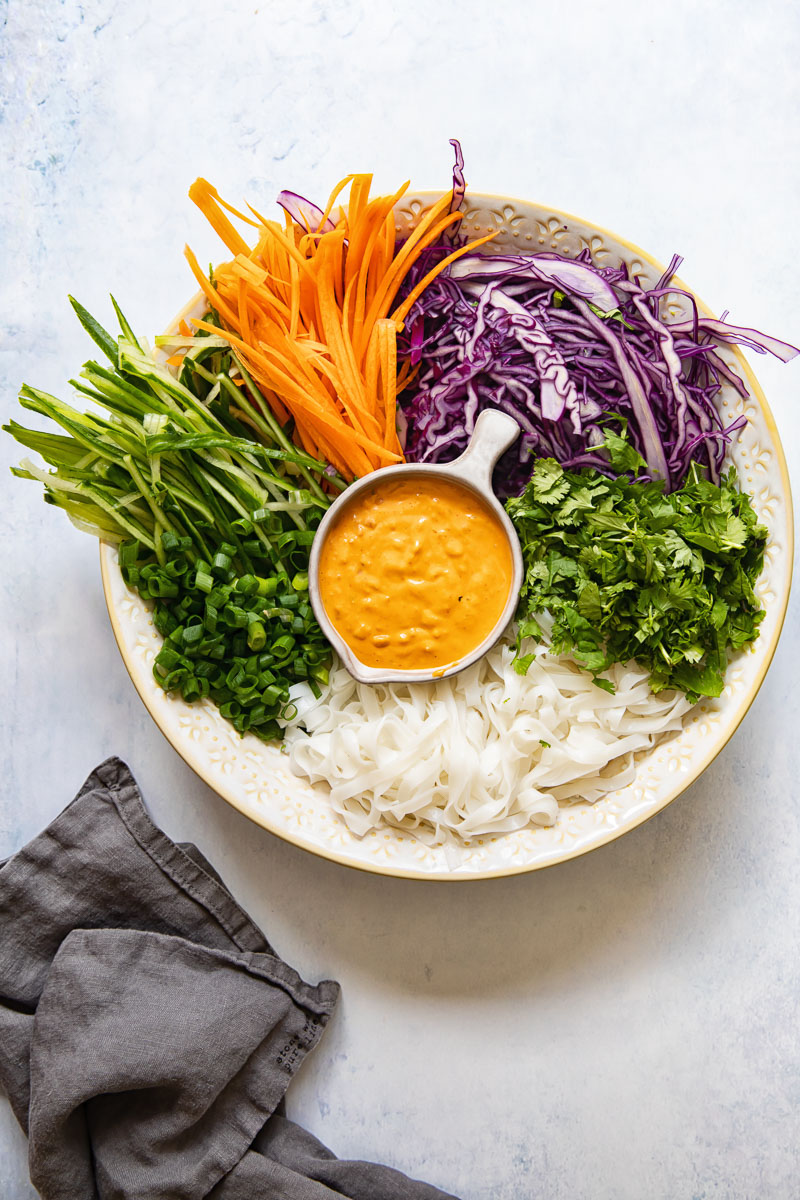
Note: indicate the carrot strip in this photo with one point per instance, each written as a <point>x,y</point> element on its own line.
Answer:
<point>372,364</point>
<point>389,372</point>
<point>294,299</point>
<point>205,197</point>
<point>406,374</point>
<point>399,315</point>
<point>401,265</point>
<point>244,315</point>
<point>248,270</point>
<point>229,207</point>
<point>334,196</point>
<point>213,297</point>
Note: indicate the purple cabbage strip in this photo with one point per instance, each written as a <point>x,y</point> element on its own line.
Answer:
<point>305,213</point>
<point>451,234</point>
<point>557,392</point>
<point>576,277</point>
<point>762,343</point>
<point>537,337</point>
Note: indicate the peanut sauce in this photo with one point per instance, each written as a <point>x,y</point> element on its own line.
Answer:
<point>415,573</point>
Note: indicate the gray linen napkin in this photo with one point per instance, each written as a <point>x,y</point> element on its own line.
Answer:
<point>148,1031</point>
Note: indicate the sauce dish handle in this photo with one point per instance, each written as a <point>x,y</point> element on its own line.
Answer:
<point>494,432</point>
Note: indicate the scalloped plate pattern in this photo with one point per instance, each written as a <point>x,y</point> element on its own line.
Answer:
<point>255,778</point>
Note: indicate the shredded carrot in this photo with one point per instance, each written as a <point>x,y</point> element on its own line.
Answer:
<point>308,313</point>
<point>207,200</point>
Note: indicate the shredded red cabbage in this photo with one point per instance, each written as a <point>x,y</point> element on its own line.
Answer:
<point>564,346</point>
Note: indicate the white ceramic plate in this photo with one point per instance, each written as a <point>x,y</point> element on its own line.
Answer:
<point>255,777</point>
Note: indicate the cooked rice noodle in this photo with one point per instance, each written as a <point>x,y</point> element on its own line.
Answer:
<point>486,751</point>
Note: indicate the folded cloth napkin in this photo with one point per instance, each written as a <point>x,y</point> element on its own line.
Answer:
<point>148,1031</point>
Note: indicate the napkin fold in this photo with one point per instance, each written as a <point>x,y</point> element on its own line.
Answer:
<point>148,1030</point>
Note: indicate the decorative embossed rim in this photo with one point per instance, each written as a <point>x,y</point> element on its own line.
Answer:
<point>505,213</point>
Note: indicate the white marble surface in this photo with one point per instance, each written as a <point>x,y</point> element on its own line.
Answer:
<point>624,1026</point>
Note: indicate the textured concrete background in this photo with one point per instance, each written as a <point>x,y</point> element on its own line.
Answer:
<point>621,1027</point>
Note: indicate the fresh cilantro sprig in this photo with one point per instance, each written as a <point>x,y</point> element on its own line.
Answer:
<point>627,572</point>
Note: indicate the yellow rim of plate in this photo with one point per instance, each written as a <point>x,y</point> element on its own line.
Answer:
<point>697,766</point>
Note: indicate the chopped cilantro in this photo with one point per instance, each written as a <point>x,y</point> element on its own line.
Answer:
<point>627,572</point>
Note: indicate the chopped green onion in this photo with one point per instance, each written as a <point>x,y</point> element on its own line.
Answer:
<point>256,635</point>
<point>197,482</point>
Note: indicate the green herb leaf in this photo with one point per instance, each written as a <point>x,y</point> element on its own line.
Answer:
<point>549,483</point>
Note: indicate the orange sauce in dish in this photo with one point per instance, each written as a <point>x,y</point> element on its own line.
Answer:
<point>414,573</point>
